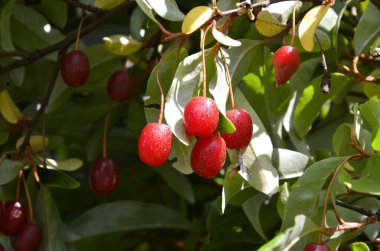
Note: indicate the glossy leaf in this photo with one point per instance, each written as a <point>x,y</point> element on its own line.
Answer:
<point>9,170</point>
<point>359,246</point>
<point>370,111</point>
<point>290,164</point>
<point>268,25</point>
<point>64,165</point>
<point>375,143</point>
<point>121,45</point>
<point>125,216</point>
<point>167,9</point>
<point>252,209</point>
<point>196,18</point>
<point>225,125</point>
<point>309,24</point>
<point>224,39</point>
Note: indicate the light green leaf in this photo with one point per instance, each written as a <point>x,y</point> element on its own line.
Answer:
<point>9,170</point>
<point>125,216</point>
<point>311,101</point>
<point>56,11</point>
<point>268,25</point>
<point>121,45</point>
<point>5,26</point>
<point>368,29</point>
<point>181,153</point>
<point>64,165</point>
<point>375,143</point>
<point>107,4</point>
<point>290,164</point>
<point>341,141</point>
<point>49,219</point>
<point>359,246</point>
<point>224,39</point>
<point>305,196</point>
<point>225,125</point>
<point>370,111</point>
<point>147,9</point>
<point>167,9</point>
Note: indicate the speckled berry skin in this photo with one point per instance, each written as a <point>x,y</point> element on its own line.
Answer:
<point>208,156</point>
<point>75,68</point>
<point>316,247</point>
<point>104,176</point>
<point>15,217</point>
<point>155,144</point>
<point>120,86</point>
<point>29,239</point>
<point>201,116</point>
<point>244,129</point>
<point>286,61</point>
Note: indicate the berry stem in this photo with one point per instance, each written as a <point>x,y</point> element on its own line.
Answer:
<point>203,38</point>
<point>33,163</point>
<point>293,23</point>
<point>18,185</point>
<point>78,33</point>
<point>228,78</point>
<point>104,152</point>
<point>30,205</point>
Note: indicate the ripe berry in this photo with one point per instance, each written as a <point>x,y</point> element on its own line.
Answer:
<point>286,61</point>
<point>75,68</point>
<point>1,216</point>
<point>155,144</point>
<point>104,176</point>
<point>244,129</point>
<point>1,248</point>
<point>316,247</point>
<point>201,116</point>
<point>120,86</point>
<point>15,217</point>
<point>208,156</point>
<point>29,239</point>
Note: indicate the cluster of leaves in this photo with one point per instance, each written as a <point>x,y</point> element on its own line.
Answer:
<point>301,136</point>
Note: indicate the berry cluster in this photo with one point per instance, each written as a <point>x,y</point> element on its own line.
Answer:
<point>13,222</point>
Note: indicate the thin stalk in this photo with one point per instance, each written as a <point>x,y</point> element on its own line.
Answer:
<point>228,78</point>
<point>293,24</point>
<point>78,33</point>
<point>105,129</point>
<point>203,38</point>
<point>30,205</point>
<point>18,185</point>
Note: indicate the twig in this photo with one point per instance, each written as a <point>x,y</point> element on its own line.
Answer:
<point>355,208</point>
<point>352,225</point>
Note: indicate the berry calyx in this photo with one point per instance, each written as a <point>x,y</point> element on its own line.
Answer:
<point>316,247</point>
<point>286,61</point>
<point>208,156</point>
<point>104,176</point>
<point>29,239</point>
<point>15,217</point>
<point>242,121</point>
<point>201,116</point>
<point>75,68</point>
<point>119,87</point>
<point>155,144</point>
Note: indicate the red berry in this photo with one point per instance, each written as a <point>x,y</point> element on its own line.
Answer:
<point>155,144</point>
<point>120,86</point>
<point>15,217</point>
<point>286,61</point>
<point>104,176</point>
<point>2,248</point>
<point>208,156</point>
<point>29,239</point>
<point>1,216</point>
<point>75,68</point>
<point>244,129</point>
<point>201,116</point>
<point>316,247</point>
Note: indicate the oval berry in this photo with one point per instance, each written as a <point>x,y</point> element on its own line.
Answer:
<point>104,176</point>
<point>1,216</point>
<point>316,247</point>
<point>15,217</point>
<point>242,121</point>
<point>155,144</point>
<point>29,239</point>
<point>75,68</point>
<point>201,116</point>
<point>208,156</point>
<point>119,87</point>
<point>286,61</point>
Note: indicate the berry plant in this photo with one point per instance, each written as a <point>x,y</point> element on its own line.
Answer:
<point>189,125</point>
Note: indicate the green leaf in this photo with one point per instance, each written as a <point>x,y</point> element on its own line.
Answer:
<point>178,182</point>
<point>167,9</point>
<point>359,246</point>
<point>57,179</point>
<point>282,199</point>
<point>311,101</point>
<point>340,9</point>
<point>304,198</point>
<point>341,141</point>
<point>125,216</point>
<point>252,210</point>
<point>290,164</point>
<point>259,171</point>
<point>375,142</point>
<point>5,26</point>
<point>368,29</point>
<point>147,9</point>
<point>49,219</point>
<point>107,4</point>
<point>9,170</point>
<point>369,178</point>
<point>225,125</point>
<point>64,165</point>
<point>121,45</point>
<point>181,153</point>
<point>56,11</point>
<point>370,111</point>
<point>267,24</point>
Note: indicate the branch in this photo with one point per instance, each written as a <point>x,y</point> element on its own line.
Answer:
<point>33,56</point>
<point>86,7</point>
<point>356,208</point>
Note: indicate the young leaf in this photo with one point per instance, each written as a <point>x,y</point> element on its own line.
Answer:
<point>375,142</point>
<point>225,125</point>
<point>196,18</point>
<point>9,109</point>
<point>268,25</point>
<point>359,246</point>
<point>121,45</point>
<point>309,24</point>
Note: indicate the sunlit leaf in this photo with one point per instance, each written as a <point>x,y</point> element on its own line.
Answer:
<point>121,45</point>
<point>268,25</point>
<point>167,9</point>
<point>64,165</point>
<point>196,18</point>
<point>107,4</point>
<point>224,39</point>
<point>37,142</point>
